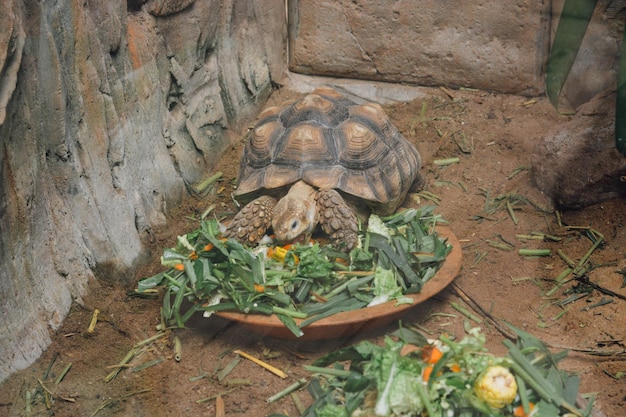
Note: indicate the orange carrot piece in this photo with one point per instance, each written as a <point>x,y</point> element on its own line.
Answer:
<point>519,410</point>
<point>342,261</point>
<point>427,372</point>
<point>431,354</point>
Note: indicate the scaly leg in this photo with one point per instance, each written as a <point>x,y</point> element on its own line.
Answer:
<point>337,220</point>
<point>252,222</point>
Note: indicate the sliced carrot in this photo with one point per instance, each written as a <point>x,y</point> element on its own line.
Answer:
<point>519,410</point>
<point>179,267</point>
<point>455,367</point>
<point>427,372</point>
<point>210,246</point>
<point>193,256</point>
<point>431,354</point>
<point>259,288</point>
<point>342,261</point>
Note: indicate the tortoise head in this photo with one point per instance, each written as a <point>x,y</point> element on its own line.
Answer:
<point>295,215</point>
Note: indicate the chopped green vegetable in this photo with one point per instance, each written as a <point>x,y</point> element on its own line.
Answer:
<point>385,286</point>
<point>396,256</point>
<point>461,379</point>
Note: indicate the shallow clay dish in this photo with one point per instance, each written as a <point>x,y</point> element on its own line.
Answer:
<point>350,322</point>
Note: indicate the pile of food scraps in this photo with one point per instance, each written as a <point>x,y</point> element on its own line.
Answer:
<point>396,256</point>
<point>411,376</point>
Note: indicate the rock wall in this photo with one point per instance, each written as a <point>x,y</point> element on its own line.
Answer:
<point>576,163</point>
<point>109,111</point>
<point>491,44</point>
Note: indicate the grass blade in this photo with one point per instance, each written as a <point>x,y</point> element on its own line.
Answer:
<point>290,324</point>
<point>347,306</point>
<point>573,22</point>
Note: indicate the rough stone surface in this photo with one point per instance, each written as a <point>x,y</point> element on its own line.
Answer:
<point>108,114</point>
<point>491,44</point>
<point>167,7</point>
<point>12,38</point>
<point>577,163</point>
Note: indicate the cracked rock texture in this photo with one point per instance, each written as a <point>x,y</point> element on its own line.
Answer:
<point>577,163</point>
<point>109,111</point>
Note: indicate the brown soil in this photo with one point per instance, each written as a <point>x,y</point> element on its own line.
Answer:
<point>493,136</point>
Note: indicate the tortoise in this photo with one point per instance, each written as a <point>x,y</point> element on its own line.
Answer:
<point>322,160</point>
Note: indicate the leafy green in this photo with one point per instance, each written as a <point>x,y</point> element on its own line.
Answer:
<point>367,379</point>
<point>375,225</point>
<point>289,322</point>
<point>396,378</point>
<point>307,282</point>
<point>386,286</point>
<point>313,262</point>
<point>573,22</point>
<point>534,363</point>
<point>333,410</point>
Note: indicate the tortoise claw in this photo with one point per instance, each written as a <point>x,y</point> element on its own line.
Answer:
<point>252,222</point>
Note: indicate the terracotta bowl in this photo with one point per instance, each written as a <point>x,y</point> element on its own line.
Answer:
<point>350,322</point>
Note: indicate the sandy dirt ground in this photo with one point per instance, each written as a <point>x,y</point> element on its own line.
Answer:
<point>493,136</point>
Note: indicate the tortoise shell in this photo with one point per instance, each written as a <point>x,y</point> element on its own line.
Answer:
<point>329,142</point>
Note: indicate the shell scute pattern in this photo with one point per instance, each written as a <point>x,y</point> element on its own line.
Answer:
<point>329,142</point>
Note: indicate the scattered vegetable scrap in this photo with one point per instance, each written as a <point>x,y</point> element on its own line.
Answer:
<point>496,386</point>
<point>94,321</point>
<point>411,376</point>
<point>396,256</point>
<point>265,365</point>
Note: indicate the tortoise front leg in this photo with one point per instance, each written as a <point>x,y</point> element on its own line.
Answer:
<point>337,220</point>
<point>252,222</point>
